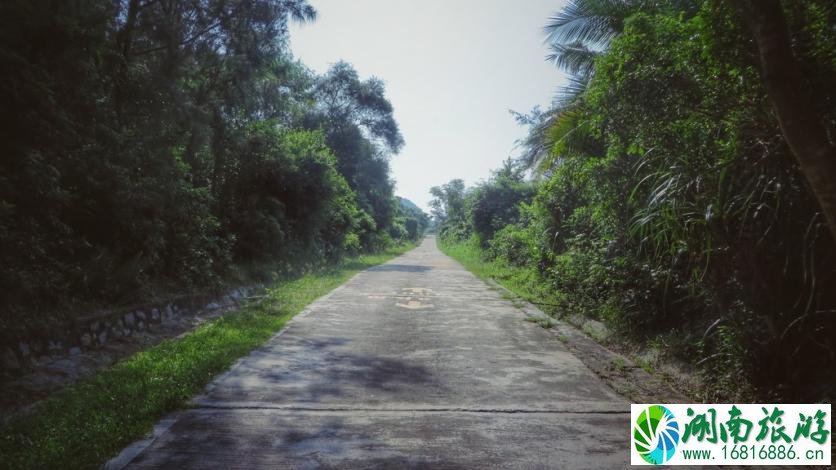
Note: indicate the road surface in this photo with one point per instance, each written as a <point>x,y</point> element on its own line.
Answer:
<point>413,363</point>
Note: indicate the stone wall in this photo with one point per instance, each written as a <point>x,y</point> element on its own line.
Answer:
<point>94,331</point>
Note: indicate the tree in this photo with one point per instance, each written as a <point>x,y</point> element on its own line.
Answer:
<point>449,209</point>
<point>155,145</point>
<point>801,124</point>
<point>360,128</point>
<point>496,202</point>
<point>577,35</point>
<point>448,200</point>
<point>343,99</point>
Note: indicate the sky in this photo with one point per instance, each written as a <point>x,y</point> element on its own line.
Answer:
<point>452,68</point>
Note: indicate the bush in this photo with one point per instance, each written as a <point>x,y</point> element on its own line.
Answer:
<point>496,203</point>
<point>513,244</point>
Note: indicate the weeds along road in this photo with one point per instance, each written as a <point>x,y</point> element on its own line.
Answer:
<point>412,363</point>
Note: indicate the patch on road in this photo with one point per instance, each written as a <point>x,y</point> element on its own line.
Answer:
<point>417,298</point>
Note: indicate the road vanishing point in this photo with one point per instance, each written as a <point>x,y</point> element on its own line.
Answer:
<point>415,363</point>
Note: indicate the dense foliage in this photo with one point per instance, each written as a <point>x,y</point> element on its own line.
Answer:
<point>668,203</point>
<point>151,143</point>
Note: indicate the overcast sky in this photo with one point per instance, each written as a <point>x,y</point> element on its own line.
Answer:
<point>453,69</point>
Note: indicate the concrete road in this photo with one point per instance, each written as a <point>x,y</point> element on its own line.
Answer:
<point>413,363</point>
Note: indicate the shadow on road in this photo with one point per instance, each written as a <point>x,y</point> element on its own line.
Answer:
<point>315,371</point>
<point>403,268</point>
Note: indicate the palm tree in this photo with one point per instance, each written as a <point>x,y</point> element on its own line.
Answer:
<point>576,35</point>
<point>583,29</point>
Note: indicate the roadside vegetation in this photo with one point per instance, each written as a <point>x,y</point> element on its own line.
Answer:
<point>664,193</point>
<point>152,147</point>
<point>89,422</point>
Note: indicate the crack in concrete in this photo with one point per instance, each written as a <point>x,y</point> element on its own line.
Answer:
<point>337,409</point>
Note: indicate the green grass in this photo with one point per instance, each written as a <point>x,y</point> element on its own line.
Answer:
<point>644,364</point>
<point>89,422</point>
<point>619,364</point>
<point>522,282</point>
<point>546,322</point>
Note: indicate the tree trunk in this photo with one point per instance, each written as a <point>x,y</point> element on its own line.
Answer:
<point>801,125</point>
<point>219,161</point>
<point>126,34</point>
<point>124,41</point>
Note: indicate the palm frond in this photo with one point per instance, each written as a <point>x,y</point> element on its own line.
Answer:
<point>593,22</point>
<point>568,137</point>
<point>299,10</point>
<point>535,147</point>
<point>575,57</point>
<point>552,132</point>
<point>570,93</point>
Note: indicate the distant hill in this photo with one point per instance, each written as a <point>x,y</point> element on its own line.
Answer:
<point>410,206</point>
<point>413,220</point>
